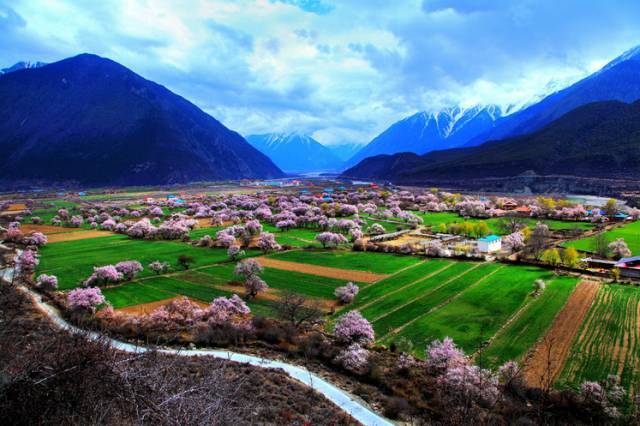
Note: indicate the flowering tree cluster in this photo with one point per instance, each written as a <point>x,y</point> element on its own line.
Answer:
<point>234,252</point>
<point>37,239</point>
<point>347,293</point>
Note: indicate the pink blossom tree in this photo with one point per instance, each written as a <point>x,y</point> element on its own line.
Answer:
<point>47,282</point>
<point>347,293</point>
<point>249,270</point>
<point>354,358</point>
<point>28,261</point>
<point>353,328</point>
<point>514,242</point>
<point>36,239</point>
<point>103,275</point>
<point>444,354</point>
<point>619,248</point>
<point>267,242</point>
<point>234,252</point>
<point>129,268</point>
<point>331,239</point>
<point>85,299</point>
<point>229,311</point>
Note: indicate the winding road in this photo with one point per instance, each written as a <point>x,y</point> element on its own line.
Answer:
<point>342,399</point>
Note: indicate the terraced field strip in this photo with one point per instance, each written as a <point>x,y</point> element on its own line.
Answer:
<point>393,315</point>
<point>322,271</point>
<point>518,336</point>
<point>478,312</point>
<point>399,281</point>
<point>451,286</point>
<point>548,356</point>
<point>379,263</point>
<point>608,341</point>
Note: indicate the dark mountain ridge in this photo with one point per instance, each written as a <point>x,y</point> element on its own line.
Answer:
<point>598,140</point>
<point>90,120</point>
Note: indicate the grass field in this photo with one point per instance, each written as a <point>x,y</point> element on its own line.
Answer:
<point>608,341</point>
<point>360,261</point>
<point>486,306</point>
<point>73,261</point>
<point>476,313</point>
<point>513,342</point>
<point>436,218</point>
<point>630,232</point>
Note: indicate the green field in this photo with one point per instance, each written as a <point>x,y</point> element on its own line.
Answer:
<point>359,261</point>
<point>513,342</point>
<point>478,312</point>
<point>73,261</point>
<point>630,232</point>
<point>608,341</point>
<point>436,218</point>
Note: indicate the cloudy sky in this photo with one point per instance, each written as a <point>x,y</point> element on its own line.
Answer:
<point>340,70</point>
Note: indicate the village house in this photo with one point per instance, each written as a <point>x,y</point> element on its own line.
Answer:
<point>489,244</point>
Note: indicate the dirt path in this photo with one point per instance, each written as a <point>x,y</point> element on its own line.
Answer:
<point>46,229</point>
<point>548,356</point>
<point>322,271</point>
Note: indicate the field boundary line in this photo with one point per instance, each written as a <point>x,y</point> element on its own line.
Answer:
<point>430,291</point>
<point>410,284</point>
<point>504,326</point>
<point>440,305</point>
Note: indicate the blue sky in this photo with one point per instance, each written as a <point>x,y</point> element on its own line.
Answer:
<point>340,70</point>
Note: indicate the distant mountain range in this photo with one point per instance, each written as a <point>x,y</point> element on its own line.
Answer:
<point>90,120</point>
<point>617,81</point>
<point>425,132</point>
<point>600,139</point>
<point>296,152</point>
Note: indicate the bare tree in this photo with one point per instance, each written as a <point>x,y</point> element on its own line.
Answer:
<point>296,309</point>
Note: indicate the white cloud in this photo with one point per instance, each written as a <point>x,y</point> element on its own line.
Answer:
<point>341,70</point>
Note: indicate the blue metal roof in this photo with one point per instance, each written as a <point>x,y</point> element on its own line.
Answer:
<point>489,238</point>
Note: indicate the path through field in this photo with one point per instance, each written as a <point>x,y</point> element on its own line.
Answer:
<point>342,399</point>
<point>548,356</point>
<point>322,271</point>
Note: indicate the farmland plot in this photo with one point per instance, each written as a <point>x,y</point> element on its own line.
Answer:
<point>608,341</point>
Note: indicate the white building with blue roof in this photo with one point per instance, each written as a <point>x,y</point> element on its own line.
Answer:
<point>489,244</point>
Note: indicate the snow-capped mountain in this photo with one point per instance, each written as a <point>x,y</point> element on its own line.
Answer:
<point>424,132</point>
<point>619,80</point>
<point>23,65</point>
<point>296,152</point>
